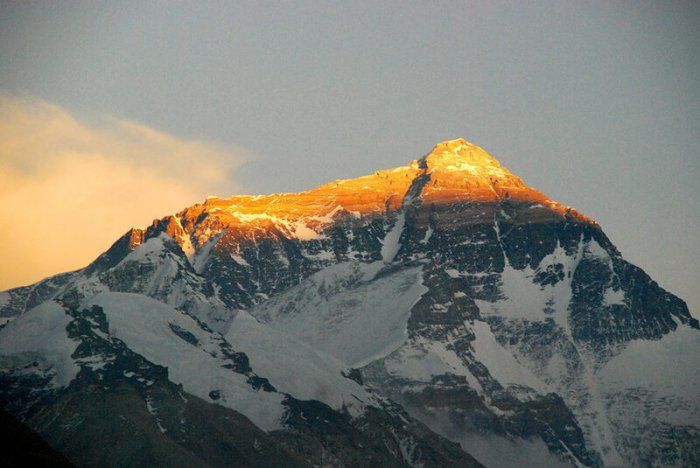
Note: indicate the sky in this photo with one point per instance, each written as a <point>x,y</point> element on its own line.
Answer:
<point>106,107</point>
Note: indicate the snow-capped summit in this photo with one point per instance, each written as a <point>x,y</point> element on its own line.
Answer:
<point>454,171</point>
<point>438,313</point>
<point>460,155</point>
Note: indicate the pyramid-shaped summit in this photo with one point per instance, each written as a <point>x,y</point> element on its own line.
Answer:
<point>460,154</point>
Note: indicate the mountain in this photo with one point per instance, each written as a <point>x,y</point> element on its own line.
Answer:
<point>439,313</point>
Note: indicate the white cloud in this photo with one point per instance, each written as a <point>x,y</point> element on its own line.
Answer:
<point>68,188</point>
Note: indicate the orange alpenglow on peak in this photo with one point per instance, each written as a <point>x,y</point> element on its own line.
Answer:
<point>462,171</point>
<point>460,155</point>
<point>454,172</point>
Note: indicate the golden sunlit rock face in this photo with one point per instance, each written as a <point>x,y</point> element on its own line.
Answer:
<point>456,183</point>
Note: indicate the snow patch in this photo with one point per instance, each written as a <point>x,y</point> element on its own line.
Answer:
<point>200,257</point>
<point>522,298</point>
<point>613,297</point>
<point>145,326</point>
<point>335,311</point>
<point>423,360</point>
<point>239,259</point>
<point>40,335</point>
<point>390,244</point>
<point>452,273</point>
<point>500,362</point>
<point>184,240</point>
<point>294,367</point>
<point>298,228</point>
<point>428,235</point>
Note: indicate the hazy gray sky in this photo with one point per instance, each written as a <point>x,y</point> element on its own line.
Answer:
<point>597,104</point>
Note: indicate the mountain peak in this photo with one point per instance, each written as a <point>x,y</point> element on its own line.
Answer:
<point>453,172</point>
<point>461,155</point>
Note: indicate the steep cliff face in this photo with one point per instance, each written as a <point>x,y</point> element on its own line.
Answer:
<point>498,318</point>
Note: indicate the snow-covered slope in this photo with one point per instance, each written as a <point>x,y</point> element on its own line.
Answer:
<point>337,311</point>
<point>296,368</point>
<point>39,343</point>
<point>197,358</point>
<point>194,357</point>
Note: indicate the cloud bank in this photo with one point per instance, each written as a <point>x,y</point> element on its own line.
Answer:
<point>69,188</point>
